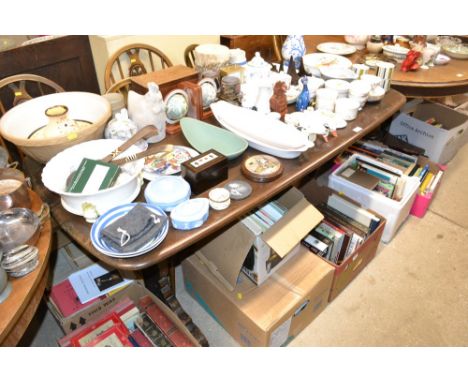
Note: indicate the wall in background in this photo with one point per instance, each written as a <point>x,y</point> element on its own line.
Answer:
<point>173,46</point>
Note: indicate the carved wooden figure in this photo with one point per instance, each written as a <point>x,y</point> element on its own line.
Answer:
<point>278,101</point>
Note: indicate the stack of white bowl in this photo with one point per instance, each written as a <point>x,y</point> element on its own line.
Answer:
<point>359,90</point>
<point>347,108</point>
<point>341,87</point>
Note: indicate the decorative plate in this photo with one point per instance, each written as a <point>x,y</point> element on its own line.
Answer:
<point>339,48</point>
<point>112,215</point>
<point>167,164</point>
<point>262,168</point>
<point>238,189</point>
<point>314,61</point>
<point>209,91</point>
<point>177,105</point>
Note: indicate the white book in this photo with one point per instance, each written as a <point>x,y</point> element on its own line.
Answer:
<point>96,280</point>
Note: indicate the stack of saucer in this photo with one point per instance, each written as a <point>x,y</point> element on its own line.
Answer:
<point>230,89</point>
<point>20,261</point>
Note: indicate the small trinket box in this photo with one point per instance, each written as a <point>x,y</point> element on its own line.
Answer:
<point>205,170</point>
<point>219,199</point>
<point>262,168</point>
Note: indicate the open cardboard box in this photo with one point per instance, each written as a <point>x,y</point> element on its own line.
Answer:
<point>267,315</point>
<point>226,255</point>
<point>348,270</point>
<point>93,312</point>
<point>440,144</point>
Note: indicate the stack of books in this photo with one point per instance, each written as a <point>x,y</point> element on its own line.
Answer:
<point>129,325</point>
<point>345,227</point>
<point>266,216</point>
<point>427,178</point>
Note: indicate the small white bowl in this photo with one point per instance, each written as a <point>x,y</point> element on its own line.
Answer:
<point>396,52</point>
<point>359,88</point>
<point>341,86</point>
<point>376,94</point>
<point>372,80</point>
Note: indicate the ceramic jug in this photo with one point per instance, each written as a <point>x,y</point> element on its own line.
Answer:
<point>293,46</point>
<point>59,124</point>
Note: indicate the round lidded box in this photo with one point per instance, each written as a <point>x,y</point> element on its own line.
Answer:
<point>166,192</point>
<point>219,199</point>
<point>262,168</point>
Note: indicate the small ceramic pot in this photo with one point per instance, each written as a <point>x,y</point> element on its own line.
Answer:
<point>374,47</point>
<point>219,199</point>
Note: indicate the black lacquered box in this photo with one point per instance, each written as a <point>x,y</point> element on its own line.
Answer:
<point>205,170</point>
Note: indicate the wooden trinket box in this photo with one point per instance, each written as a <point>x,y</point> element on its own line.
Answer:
<point>205,170</point>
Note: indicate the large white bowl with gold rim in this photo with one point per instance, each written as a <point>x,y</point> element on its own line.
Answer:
<point>20,122</point>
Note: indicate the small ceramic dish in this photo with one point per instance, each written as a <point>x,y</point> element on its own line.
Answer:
<point>441,59</point>
<point>376,94</point>
<point>209,91</point>
<point>262,168</point>
<point>167,164</point>
<point>190,214</point>
<point>220,199</point>
<point>339,48</point>
<point>177,105</point>
<point>204,136</point>
<point>238,189</point>
<point>166,192</point>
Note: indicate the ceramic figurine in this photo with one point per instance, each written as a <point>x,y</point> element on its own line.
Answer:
<point>303,100</point>
<point>302,72</point>
<point>279,101</point>
<point>294,47</point>
<point>121,127</point>
<point>292,72</point>
<point>147,110</point>
<point>411,61</point>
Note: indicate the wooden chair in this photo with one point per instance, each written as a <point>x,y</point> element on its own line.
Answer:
<point>122,87</point>
<point>189,57</point>
<point>278,41</point>
<point>129,61</point>
<point>23,87</point>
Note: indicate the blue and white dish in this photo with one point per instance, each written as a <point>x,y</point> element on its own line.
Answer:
<point>166,192</point>
<point>190,214</point>
<point>116,213</point>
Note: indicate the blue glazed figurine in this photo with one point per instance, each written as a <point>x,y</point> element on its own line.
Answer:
<point>303,100</point>
<point>293,46</point>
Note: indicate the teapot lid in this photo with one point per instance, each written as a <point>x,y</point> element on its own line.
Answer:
<point>258,61</point>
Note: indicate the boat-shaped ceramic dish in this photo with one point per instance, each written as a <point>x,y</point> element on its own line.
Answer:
<point>262,132</point>
<point>203,136</point>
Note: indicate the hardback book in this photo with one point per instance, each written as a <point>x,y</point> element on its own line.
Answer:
<point>65,299</point>
<point>315,245</point>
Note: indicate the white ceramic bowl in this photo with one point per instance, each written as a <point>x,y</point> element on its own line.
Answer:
<point>341,86</point>
<point>126,189</point>
<point>359,88</point>
<point>22,120</point>
<point>376,94</point>
<point>372,80</point>
<point>337,72</point>
<point>396,52</point>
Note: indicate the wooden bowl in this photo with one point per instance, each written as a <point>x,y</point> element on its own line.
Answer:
<point>20,122</point>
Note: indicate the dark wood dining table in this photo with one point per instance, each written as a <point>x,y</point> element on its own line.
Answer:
<point>157,265</point>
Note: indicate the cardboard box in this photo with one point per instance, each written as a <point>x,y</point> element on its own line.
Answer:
<point>440,144</point>
<point>266,315</point>
<point>134,291</point>
<point>358,260</point>
<point>265,253</point>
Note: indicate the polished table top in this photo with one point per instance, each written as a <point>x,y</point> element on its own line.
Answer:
<point>294,169</point>
<point>436,81</point>
<point>18,309</point>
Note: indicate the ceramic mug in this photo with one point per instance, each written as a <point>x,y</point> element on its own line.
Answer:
<point>385,69</point>
<point>360,69</point>
<point>325,99</point>
<point>372,80</point>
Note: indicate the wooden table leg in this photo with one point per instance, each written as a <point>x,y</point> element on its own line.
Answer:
<point>160,280</point>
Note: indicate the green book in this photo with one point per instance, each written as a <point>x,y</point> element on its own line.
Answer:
<point>93,175</point>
